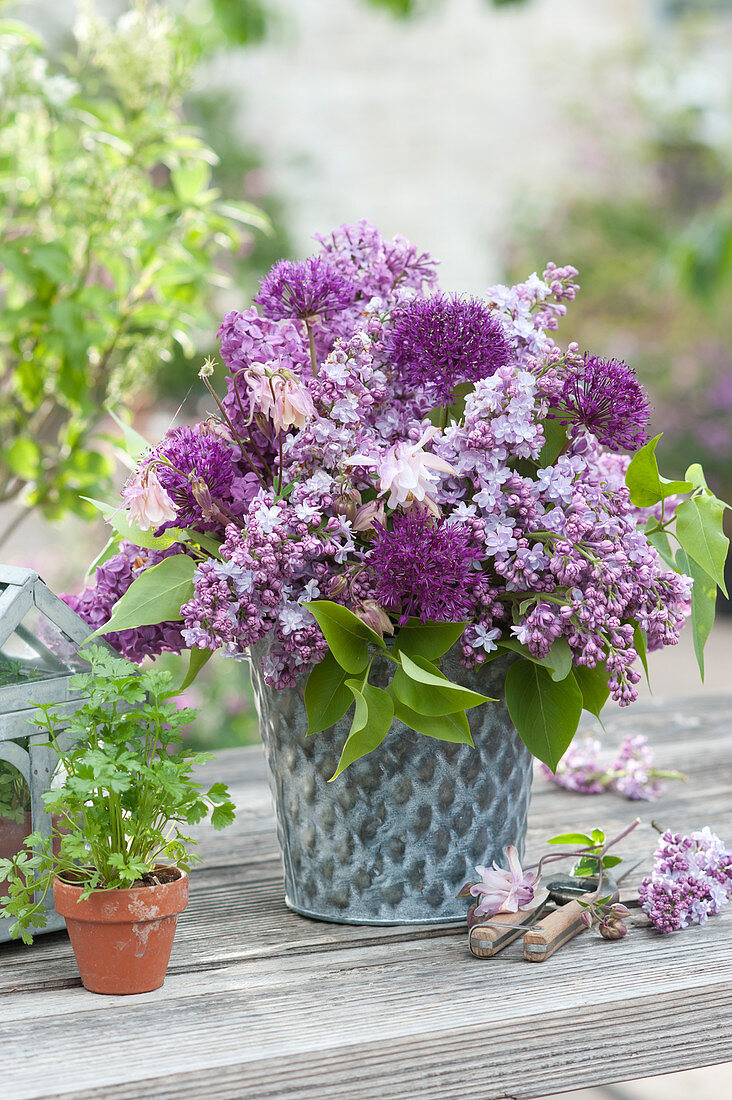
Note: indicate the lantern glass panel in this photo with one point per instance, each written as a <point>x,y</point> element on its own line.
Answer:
<point>15,813</point>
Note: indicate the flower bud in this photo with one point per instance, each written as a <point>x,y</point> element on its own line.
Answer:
<point>586,918</point>
<point>368,514</point>
<point>374,616</point>
<point>619,910</point>
<point>337,585</point>
<point>613,929</point>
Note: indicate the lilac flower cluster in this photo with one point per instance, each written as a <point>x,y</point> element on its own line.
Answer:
<point>112,580</point>
<point>325,476</point>
<point>630,774</point>
<point>691,880</point>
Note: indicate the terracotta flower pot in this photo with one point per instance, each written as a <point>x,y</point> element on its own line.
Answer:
<point>122,939</point>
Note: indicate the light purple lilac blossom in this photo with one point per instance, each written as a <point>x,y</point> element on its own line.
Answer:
<point>542,550</point>
<point>631,773</point>
<point>691,880</point>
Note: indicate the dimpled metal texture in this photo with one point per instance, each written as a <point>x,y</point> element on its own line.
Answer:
<point>393,839</point>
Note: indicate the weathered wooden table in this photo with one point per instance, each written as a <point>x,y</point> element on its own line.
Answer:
<point>260,1003</point>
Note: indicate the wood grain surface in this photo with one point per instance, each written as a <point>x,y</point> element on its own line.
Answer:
<point>260,1003</point>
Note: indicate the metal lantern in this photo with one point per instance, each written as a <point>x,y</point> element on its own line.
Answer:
<point>39,653</point>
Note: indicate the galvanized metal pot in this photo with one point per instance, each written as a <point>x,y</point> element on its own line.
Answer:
<point>392,840</point>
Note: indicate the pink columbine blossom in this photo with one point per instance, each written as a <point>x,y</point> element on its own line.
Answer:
<point>293,405</point>
<point>147,502</point>
<point>504,891</point>
<point>406,470</point>
<point>280,396</point>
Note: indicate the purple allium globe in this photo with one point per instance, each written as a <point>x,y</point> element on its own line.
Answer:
<point>199,475</point>
<point>607,399</point>
<point>441,341</point>
<point>304,289</point>
<point>421,568</point>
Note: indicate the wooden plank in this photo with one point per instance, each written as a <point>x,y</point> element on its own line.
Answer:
<point>260,1003</point>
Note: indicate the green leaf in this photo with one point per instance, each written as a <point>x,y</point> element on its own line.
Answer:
<point>207,542</point>
<point>347,636</point>
<point>135,444</point>
<point>423,688</point>
<point>116,517</point>
<point>326,696</point>
<point>699,530</point>
<point>444,727</point>
<point>695,474</point>
<point>644,481</point>
<point>199,657</point>
<point>429,640</point>
<point>545,712</point>
<point>555,436</point>
<point>23,456</point>
<point>190,180</point>
<point>572,838</point>
<point>639,645</point>
<point>371,722</point>
<point>593,685</point>
<point>703,604</point>
<point>598,836</point>
<point>156,596</point>
<point>659,540</point>
<point>558,660</point>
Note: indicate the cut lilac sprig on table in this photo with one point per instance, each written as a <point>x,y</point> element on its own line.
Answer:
<point>630,774</point>
<point>691,880</point>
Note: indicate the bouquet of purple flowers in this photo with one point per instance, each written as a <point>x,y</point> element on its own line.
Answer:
<point>395,470</point>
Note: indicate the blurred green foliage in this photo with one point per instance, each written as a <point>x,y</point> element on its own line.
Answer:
<point>654,250</point>
<point>112,239</point>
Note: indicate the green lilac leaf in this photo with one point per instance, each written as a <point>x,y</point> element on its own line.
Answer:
<point>117,519</point>
<point>555,436</point>
<point>593,685</point>
<point>156,596</point>
<point>348,637</point>
<point>703,604</point>
<point>644,481</point>
<point>326,696</point>
<point>659,540</point>
<point>429,640</point>
<point>699,530</point>
<point>444,727</point>
<point>421,686</point>
<point>558,660</point>
<point>641,648</point>
<point>545,712</point>
<point>198,658</point>
<point>372,720</point>
<point>571,838</point>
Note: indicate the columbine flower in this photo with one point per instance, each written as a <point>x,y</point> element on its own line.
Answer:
<point>504,891</point>
<point>442,341</point>
<point>148,504</point>
<point>304,289</point>
<point>406,471</point>
<point>293,406</point>
<point>421,568</point>
<point>374,616</point>
<point>608,400</point>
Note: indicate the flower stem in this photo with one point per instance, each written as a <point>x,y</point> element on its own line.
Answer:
<point>311,342</point>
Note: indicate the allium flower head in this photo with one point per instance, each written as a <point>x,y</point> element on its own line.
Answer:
<point>606,398</point>
<point>441,341</point>
<point>421,568</point>
<point>304,289</point>
<point>196,457</point>
<point>504,891</point>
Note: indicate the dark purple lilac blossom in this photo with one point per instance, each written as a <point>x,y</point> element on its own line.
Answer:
<point>606,398</point>
<point>691,880</point>
<point>112,579</point>
<point>423,569</point>
<point>439,342</point>
<point>197,473</point>
<point>304,289</point>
